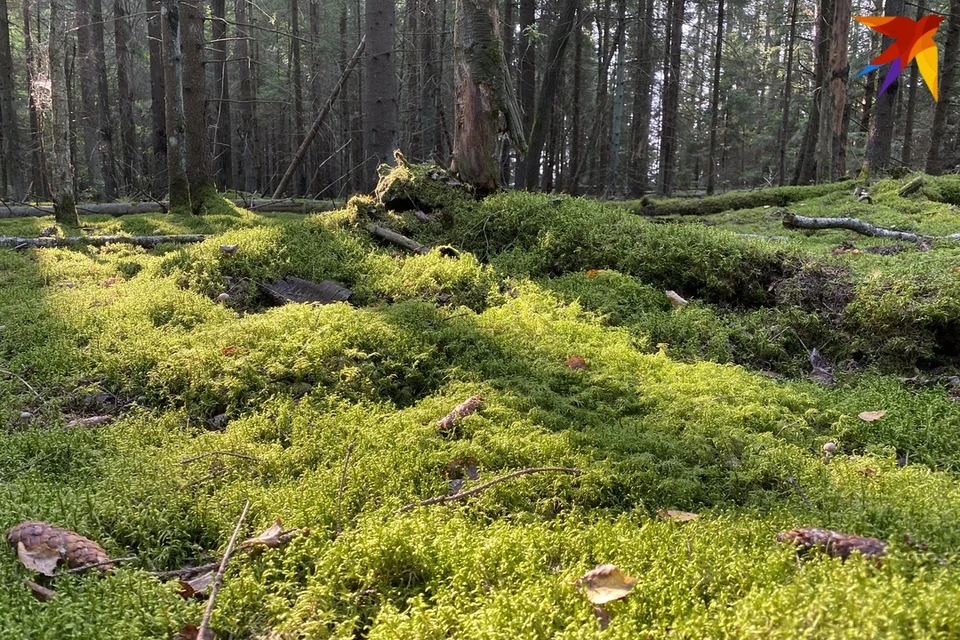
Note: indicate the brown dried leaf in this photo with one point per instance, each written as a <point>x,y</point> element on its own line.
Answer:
<point>867,471</point>
<point>462,410</point>
<point>606,583</point>
<point>274,536</point>
<point>677,516</point>
<point>593,273</point>
<point>39,592</point>
<point>576,362</point>
<point>676,300</point>
<point>189,632</point>
<point>40,546</point>
<point>870,416</point>
<point>92,421</point>
<point>109,282</point>
<point>834,543</point>
<point>232,350</point>
<point>198,586</point>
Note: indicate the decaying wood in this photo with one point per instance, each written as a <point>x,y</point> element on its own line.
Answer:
<point>911,187</point>
<point>205,632</point>
<point>130,208</point>
<point>485,486</point>
<point>462,410</point>
<point>397,239</point>
<point>834,543</point>
<point>794,221</point>
<point>141,241</point>
<point>298,290</point>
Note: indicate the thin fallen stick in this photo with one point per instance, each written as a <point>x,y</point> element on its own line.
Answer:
<point>343,486</point>
<point>793,221</point>
<point>142,241</point>
<point>86,567</point>
<point>219,453</point>
<point>486,485</point>
<point>25,467</point>
<point>205,633</point>
<point>22,381</point>
<point>397,239</point>
<point>187,571</point>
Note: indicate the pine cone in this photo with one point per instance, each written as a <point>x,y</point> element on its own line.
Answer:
<point>834,543</point>
<point>43,540</point>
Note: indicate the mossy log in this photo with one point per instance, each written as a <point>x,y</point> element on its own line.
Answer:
<point>911,187</point>
<point>732,201</point>
<point>793,221</point>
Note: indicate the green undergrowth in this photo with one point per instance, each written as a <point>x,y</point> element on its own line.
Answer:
<point>671,412</point>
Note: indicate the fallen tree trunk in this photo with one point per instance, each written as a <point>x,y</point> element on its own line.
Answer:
<point>397,239</point>
<point>911,187</point>
<point>140,241</point>
<point>128,208</point>
<point>793,221</point>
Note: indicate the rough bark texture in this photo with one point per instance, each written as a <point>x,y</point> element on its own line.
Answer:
<point>38,184</point>
<point>806,171</point>
<point>61,173</point>
<point>832,107</point>
<point>89,115</point>
<point>246,127</point>
<point>104,122</point>
<point>176,127</point>
<point>784,134</point>
<point>834,543</point>
<point>11,174</point>
<point>482,92</point>
<point>222,120</point>
<point>646,61</point>
<point>300,184</point>
<point>948,76</point>
<point>74,241</point>
<point>527,90</point>
<point>129,164</point>
<point>671,98</point>
<point>548,90</point>
<point>380,93</point>
<point>881,127</point>
<point>199,160</point>
<point>157,103</point>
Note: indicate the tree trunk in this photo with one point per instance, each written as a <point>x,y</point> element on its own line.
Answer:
<point>834,100</point>
<point>199,160</point>
<point>380,96</point>
<point>528,77</point>
<point>548,90</point>
<point>784,137</point>
<point>482,91</point>
<point>128,138</point>
<point>223,125</point>
<point>12,175</point>
<point>61,173</point>
<point>89,117</point>
<point>573,181</point>
<point>947,80</point>
<point>715,103</point>
<point>671,98</point>
<point>806,171</point>
<point>881,128</point>
<point>430,87</point>
<point>646,60</point>
<point>157,104</point>
<point>104,121</point>
<point>300,183</point>
<point>616,119</point>
<point>246,128</point>
<point>38,165</point>
<point>175,119</point>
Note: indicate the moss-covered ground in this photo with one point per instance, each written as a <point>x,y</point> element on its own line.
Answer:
<point>706,408</point>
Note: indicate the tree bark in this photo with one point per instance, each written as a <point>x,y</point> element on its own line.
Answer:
<point>61,173</point>
<point>671,98</point>
<point>89,116</point>
<point>881,127</point>
<point>157,100</point>
<point>616,118</point>
<point>12,175</point>
<point>527,88</point>
<point>199,160</point>
<point>715,102</point>
<point>130,168</point>
<point>548,91</point>
<point>646,60</point>
<point>178,186</point>
<point>297,71</point>
<point>947,81</point>
<point>38,166</point>
<point>834,101</point>
<point>246,128</point>
<point>222,121</point>
<point>806,171</point>
<point>104,122</point>
<point>430,87</point>
<point>380,96</point>
<point>793,221</point>
<point>784,134</point>
<point>482,91</point>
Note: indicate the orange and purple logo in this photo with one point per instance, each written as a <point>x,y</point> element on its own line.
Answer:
<point>912,39</point>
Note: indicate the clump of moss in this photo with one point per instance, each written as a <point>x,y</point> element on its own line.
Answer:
<point>426,188</point>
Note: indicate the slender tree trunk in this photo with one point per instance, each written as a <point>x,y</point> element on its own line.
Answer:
<point>715,102</point>
<point>104,120</point>
<point>834,99</point>
<point>671,99</point>
<point>12,175</point>
<point>89,122</point>
<point>548,90</point>
<point>246,129</point>
<point>380,96</point>
<point>646,59</point>
<point>528,77</point>
<point>61,178</point>
<point>199,160</point>
<point>573,183</point>
<point>948,76</point>
<point>508,48</point>
<point>616,118</point>
<point>881,128</point>
<point>128,138</point>
<point>38,164</point>
<point>178,186</point>
<point>299,126</point>
<point>784,136</point>
<point>223,124</point>
<point>430,87</point>
<point>483,91</point>
<point>157,105</point>
<point>806,171</point>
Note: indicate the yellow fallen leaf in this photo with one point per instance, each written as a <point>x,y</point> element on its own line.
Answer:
<point>677,516</point>
<point>870,416</point>
<point>605,583</point>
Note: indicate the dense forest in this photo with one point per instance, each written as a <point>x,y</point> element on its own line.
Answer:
<point>616,98</point>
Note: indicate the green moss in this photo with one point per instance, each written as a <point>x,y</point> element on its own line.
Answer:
<point>732,201</point>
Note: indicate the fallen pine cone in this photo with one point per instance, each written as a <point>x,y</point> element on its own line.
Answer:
<point>834,543</point>
<point>41,546</point>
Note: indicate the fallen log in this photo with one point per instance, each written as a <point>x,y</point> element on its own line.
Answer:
<point>793,221</point>
<point>130,208</point>
<point>140,241</point>
<point>397,239</point>
<point>911,187</point>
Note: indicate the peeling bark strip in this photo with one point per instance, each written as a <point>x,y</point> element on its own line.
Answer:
<point>141,241</point>
<point>793,221</point>
<point>483,90</point>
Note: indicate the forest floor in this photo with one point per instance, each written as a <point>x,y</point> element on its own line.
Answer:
<point>553,311</point>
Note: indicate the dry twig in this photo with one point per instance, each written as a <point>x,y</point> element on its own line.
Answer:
<point>343,487</point>
<point>220,453</point>
<point>205,633</point>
